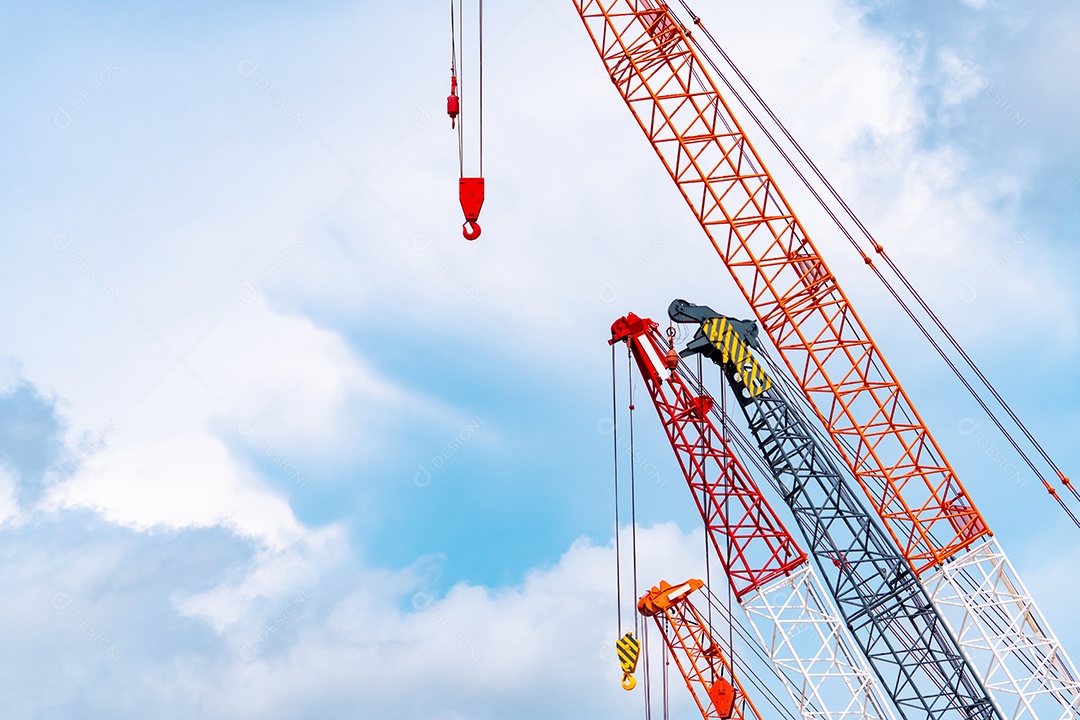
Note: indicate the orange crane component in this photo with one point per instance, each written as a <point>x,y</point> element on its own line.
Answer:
<point>707,672</point>
<point>793,294</point>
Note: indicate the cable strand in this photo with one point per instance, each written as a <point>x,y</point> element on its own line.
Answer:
<point>615,452</point>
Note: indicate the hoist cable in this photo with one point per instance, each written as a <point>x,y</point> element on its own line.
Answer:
<point>453,41</point>
<point>615,452</point>
<point>664,656</point>
<point>461,85</point>
<point>633,487</point>
<point>892,266</point>
<point>646,673</point>
<point>725,422</point>
<point>705,495</point>
<point>481,86</point>
<point>745,448</point>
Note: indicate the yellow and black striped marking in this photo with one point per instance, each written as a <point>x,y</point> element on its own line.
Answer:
<point>735,351</point>
<point>628,649</point>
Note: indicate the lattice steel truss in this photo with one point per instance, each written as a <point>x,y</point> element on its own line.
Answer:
<point>886,609</point>
<point>1007,638</point>
<point>770,576</point>
<point>797,624</point>
<point>708,673</point>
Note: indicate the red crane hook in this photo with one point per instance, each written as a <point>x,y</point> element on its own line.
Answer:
<point>471,194</point>
<point>470,189</point>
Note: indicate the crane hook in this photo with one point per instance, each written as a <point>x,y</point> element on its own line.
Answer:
<point>628,648</point>
<point>471,194</point>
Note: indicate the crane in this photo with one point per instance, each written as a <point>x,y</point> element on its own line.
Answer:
<point>654,64</point>
<point>771,578</point>
<point>886,609</point>
<point>700,659</point>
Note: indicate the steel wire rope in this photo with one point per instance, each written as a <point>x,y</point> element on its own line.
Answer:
<point>706,497</point>
<point>735,627</point>
<point>666,662</point>
<point>633,487</point>
<point>724,437</point>
<point>481,86</point>
<point>874,268</point>
<point>615,453</point>
<point>461,83</point>
<point>646,672</point>
<point>974,393</point>
<point>749,449</point>
<point>750,161</point>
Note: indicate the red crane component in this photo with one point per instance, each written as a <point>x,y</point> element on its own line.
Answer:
<point>471,193</point>
<point>700,660</point>
<point>788,607</point>
<point>470,189</point>
<point>795,297</point>
<point>453,102</point>
<point>750,540</point>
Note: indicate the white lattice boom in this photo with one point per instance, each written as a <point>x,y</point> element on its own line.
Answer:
<point>824,673</point>
<point>1005,635</point>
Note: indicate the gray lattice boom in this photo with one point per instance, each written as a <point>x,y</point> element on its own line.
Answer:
<point>919,663</point>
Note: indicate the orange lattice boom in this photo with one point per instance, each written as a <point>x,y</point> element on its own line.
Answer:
<point>707,672</point>
<point>793,294</point>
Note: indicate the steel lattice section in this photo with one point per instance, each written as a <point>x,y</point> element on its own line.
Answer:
<point>890,615</point>
<point>751,542</point>
<point>822,670</point>
<point>794,620</point>
<point>792,292</point>
<point>701,661</point>
<point>1005,634</point>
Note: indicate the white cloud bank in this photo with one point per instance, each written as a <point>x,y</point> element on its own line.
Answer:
<point>313,630</point>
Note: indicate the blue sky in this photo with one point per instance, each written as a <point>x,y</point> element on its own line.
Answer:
<point>253,378</point>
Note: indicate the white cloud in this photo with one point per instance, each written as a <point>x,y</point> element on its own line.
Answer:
<point>544,646</point>
<point>179,481</point>
<point>315,629</point>
<point>277,575</point>
<point>248,379</point>
<point>964,78</point>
